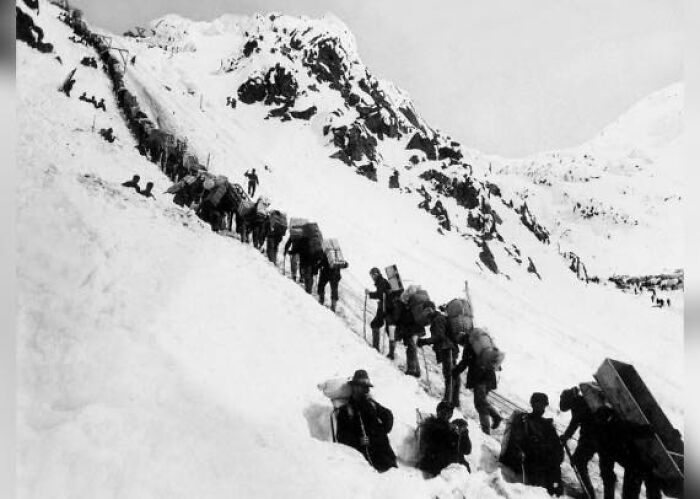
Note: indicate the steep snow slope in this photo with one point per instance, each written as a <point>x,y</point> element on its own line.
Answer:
<point>158,359</point>
<point>558,324</point>
<point>615,200</point>
<point>153,351</point>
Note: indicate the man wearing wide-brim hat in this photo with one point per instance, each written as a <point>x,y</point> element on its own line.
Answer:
<point>364,424</point>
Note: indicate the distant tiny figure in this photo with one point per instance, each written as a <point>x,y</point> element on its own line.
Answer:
<point>147,192</point>
<point>394,180</point>
<point>133,60</point>
<point>134,182</point>
<point>101,105</point>
<point>83,97</point>
<point>668,302</point>
<point>107,134</point>
<point>252,182</point>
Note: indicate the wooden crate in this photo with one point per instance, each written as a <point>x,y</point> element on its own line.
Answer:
<point>392,275</point>
<point>629,395</point>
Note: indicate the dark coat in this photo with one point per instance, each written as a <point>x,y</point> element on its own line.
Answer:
<point>377,421</point>
<point>326,272</point>
<point>382,295</point>
<point>581,417</point>
<point>539,443</point>
<point>406,325</point>
<point>477,374</point>
<point>443,443</point>
<point>439,337</point>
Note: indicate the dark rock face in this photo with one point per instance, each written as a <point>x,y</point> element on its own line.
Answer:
<point>487,258</point>
<point>277,86</point>
<point>424,144</point>
<point>304,115</point>
<point>529,221</point>
<point>249,47</point>
<point>449,153</point>
<point>355,144</point>
<point>252,91</point>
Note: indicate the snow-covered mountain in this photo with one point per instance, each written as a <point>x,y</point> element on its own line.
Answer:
<point>159,359</point>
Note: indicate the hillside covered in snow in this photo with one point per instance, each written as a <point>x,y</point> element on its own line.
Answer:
<point>161,359</point>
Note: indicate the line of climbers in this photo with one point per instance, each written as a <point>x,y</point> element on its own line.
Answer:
<point>531,444</point>
<point>404,316</point>
<point>214,199</point>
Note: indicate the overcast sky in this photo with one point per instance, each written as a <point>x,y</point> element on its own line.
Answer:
<point>510,77</point>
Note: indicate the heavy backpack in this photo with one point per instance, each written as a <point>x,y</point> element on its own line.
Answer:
<point>334,254</point>
<point>510,444</point>
<point>278,223</point>
<point>262,206</point>
<point>296,227</point>
<point>416,297</point>
<point>245,207</point>
<point>461,319</point>
<point>312,233</point>
<point>487,353</point>
<point>338,390</point>
<point>392,275</point>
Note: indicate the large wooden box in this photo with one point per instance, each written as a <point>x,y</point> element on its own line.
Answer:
<point>629,395</point>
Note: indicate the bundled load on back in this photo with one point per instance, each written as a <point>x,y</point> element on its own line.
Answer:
<point>392,275</point>
<point>331,248</point>
<point>629,396</point>
<point>277,222</point>
<point>416,298</point>
<point>262,206</point>
<point>296,227</point>
<point>312,232</point>
<point>460,317</point>
<point>488,354</point>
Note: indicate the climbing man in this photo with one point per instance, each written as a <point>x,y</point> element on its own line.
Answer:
<point>394,180</point>
<point>481,379</point>
<point>446,351</point>
<point>147,191</point>
<point>134,183</point>
<point>101,105</point>
<point>443,442</point>
<point>384,307</point>
<point>408,331</point>
<point>364,424</point>
<point>581,419</point>
<point>328,275</point>
<point>252,182</point>
<point>540,449</point>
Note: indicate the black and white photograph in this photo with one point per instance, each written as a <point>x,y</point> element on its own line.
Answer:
<point>319,249</point>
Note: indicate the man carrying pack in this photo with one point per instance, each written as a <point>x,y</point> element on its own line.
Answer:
<point>581,418</point>
<point>253,182</point>
<point>443,442</point>
<point>408,331</point>
<point>326,275</point>
<point>133,183</point>
<point>481,380</point>
<point>540,449</point>
<point>384,306</point>
<point>446,351</point>
<point>364,424</point>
